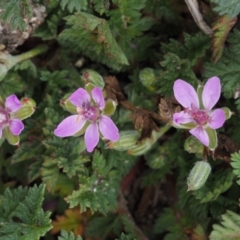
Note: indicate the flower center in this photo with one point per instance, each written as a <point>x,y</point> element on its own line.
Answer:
<point>200,117</point>
<point>4,117</point>
<point>89,112</point>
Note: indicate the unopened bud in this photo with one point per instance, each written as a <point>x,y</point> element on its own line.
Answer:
<point>27,109</point>
<point>93,77</point>
<point>127,140</point>
<point>148,78</point>
<point>110,107</point>
<point>67,105</point>
<point>141,148</point>
<point>12,139</point>
<point>228,112</point>
<point>146,144</point>
<point>192,145</point>
<point>198,175</point>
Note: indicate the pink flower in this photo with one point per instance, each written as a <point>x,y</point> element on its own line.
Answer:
<point>88,116</point>
<point>9,123</point>
<point>198,114</point>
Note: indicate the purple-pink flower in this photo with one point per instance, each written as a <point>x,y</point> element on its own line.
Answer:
<point>89,115</point>
<point>198,114</point>
<point>7,119</point>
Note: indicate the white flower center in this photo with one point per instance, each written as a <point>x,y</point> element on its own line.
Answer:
<point>2,117</point>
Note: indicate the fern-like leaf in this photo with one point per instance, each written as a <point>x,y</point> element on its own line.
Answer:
<point>92,36</point>
<point>194,47</point>
<point>74,4</point>
<point>229,228</point>
<point>227,68</point>
<point>221,29</point>
<point>21,215</point>
<point>68,236</point>
<point>14,12</point>
<point>231,8</point>
<point>101,6</point>
<point>236,165</point>
<point>174,68</point>
<point>218,183</point>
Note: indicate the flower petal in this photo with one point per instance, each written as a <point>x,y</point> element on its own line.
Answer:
<point>108,129</point>
<point>80,97</point>
<point>217,119</point>
<point>91,136</point>
<point>97,96</point>
<point>16,126</point>
<point>185,94</point>
<point>69,126</point>
<point>211,93</point>
<point>12,103</point>
<point>201,135</point>
<point>181,118</point>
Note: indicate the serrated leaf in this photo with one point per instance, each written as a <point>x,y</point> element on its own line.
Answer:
<point>231,8</point>
<point>14,11</point>
<point>50,173</point>
<point>92,36</point>
<point>221,28</point>
<point>68,236</point>
<point>73,4</point>
<point>235,163</point>
<point>21,215</point>
<point>227,68</point>
<point>125,237</point>
<point>218,183</point>
<point>193,48</point>
<point>101,6</point>
<point>72,166</point>
<point>72,220</point>
<point>174,68</point>
<point>229,228</point>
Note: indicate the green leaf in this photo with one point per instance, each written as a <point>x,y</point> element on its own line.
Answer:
<point>21,215</point>
<point>92,36</point>
<point>73,166</point>
<point>174,68</point>
<point>68,236</point>
<point>74,4</point>
<point>235,157</point>
<point>14,11</point>
<point>125,237</point>
<point>50,173</point>
<point>231,8</point>
<point>101,6</point>
<point>194,47</point>
<point>218,183</point>
<point>229,228</point>
<point>227,68</point>
<point>221,29</point>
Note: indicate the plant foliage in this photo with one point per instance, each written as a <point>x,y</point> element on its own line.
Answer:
<point>22,216</point>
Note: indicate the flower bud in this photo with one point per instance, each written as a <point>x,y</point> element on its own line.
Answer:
<point>228,112</point>
<point>127,140</point>
<point>110,107</point>
<point>12,139</point>
<point>198,175</point>
<point>148,78</point>
<point>67,105</point>
<point>94,78</point>
<point>192,145</point>
<point>146,144</point>
<point>27,109</point>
